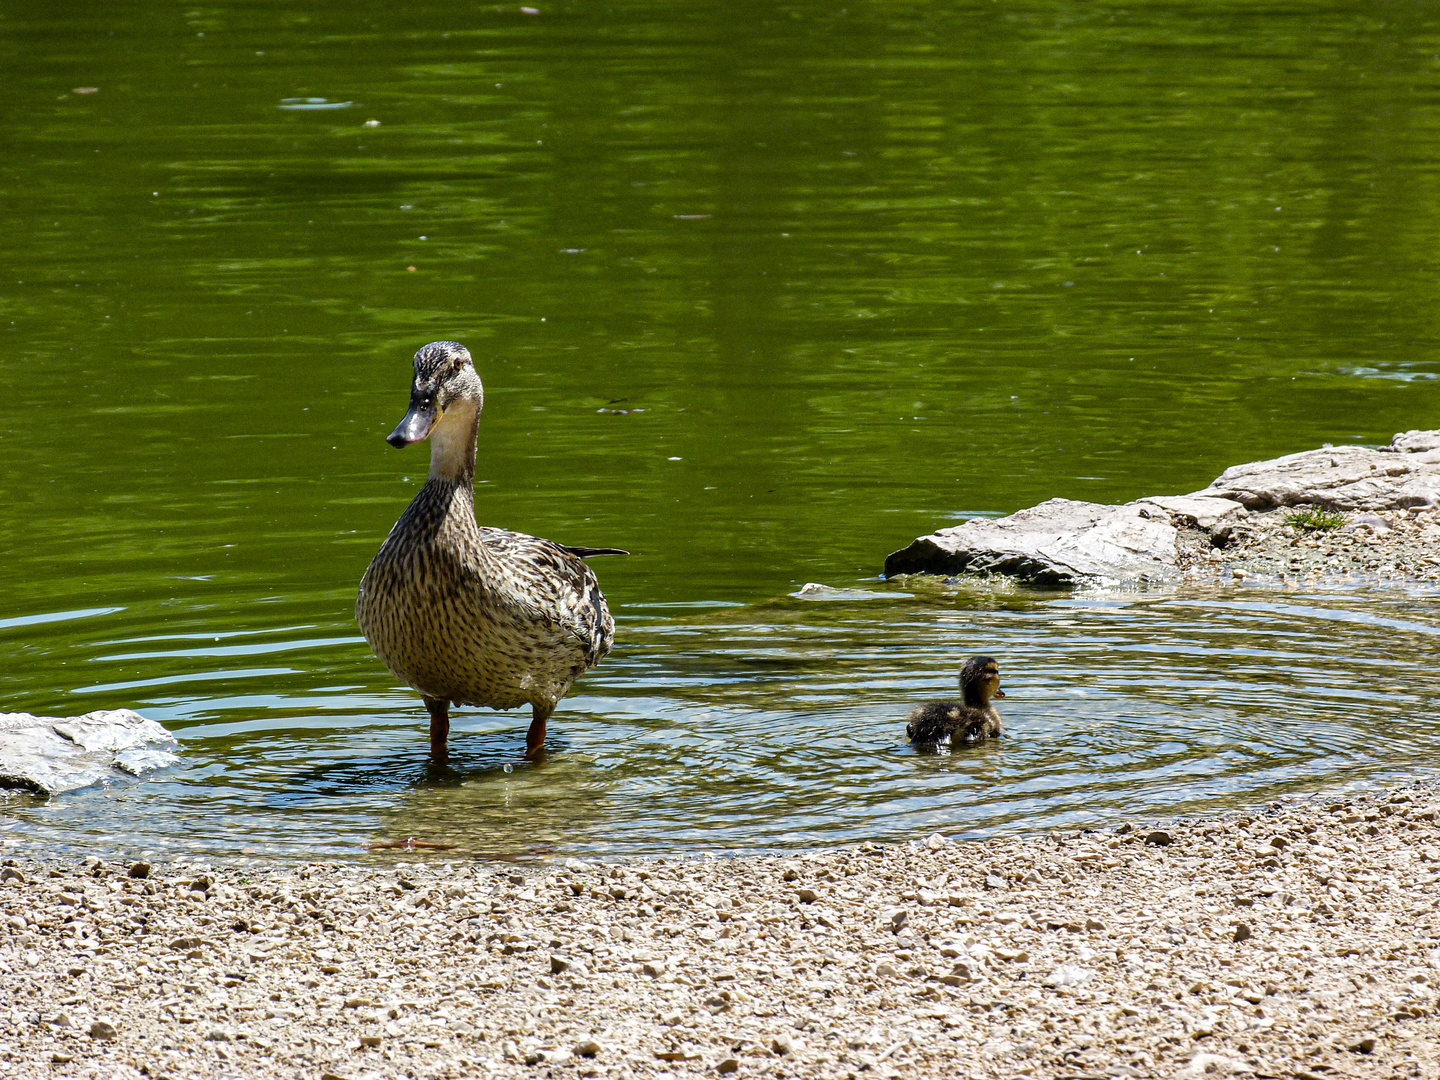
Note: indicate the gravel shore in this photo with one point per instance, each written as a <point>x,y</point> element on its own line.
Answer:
<point>1393,546</point>
<point>1301,941</point>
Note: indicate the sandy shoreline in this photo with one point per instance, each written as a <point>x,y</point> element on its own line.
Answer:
<point>1300,941</point>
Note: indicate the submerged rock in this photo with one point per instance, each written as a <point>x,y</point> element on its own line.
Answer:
<point>1064,542</point>
<point>51,754</point>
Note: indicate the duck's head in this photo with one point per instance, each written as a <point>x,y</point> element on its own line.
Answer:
<point>980,680</point>
<point>445,393</point>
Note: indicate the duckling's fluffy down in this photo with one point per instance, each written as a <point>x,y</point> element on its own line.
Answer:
<point>936,723</point>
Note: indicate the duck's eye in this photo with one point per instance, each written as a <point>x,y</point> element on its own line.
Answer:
<point>458,364</point>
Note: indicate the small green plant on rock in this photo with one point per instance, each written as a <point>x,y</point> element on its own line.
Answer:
<point>1315,517</point>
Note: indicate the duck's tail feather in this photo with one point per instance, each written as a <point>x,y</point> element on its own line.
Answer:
<point>588,552</point>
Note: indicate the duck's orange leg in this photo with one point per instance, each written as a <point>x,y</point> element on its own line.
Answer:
<point>535,737</point>
<point>439,709</point>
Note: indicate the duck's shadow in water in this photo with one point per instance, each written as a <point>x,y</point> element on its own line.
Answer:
<point>477,758</point>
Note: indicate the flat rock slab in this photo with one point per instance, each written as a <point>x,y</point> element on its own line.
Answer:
<point>1064,542</point>
<point>52,754</point>
<point>1404,474</point>
<point>1059,542</point>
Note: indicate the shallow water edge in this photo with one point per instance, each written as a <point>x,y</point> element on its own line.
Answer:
<point>780,726</point>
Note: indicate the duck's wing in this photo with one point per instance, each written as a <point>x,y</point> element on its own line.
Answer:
<point>590,553</point>
<point>552,584</point>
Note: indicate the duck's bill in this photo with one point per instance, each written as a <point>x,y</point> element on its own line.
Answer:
<point>416,426</point>
<point>998,693</point>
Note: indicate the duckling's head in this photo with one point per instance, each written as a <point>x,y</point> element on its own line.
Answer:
<point>445,393</point>
<point>980,681</point>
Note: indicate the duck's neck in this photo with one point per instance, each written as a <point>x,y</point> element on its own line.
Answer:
<point>973,695</point>
<point>452,444</point>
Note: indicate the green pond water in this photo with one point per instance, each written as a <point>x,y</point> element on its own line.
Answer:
<point>759,292</point>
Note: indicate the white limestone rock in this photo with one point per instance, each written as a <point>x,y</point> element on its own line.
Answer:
<point>1404,474</point>
<point>1059,542</point>
<point>50,754</point>
<point>1064,542</point>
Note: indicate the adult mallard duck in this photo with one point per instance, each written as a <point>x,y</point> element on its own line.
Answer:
<point>465,613</point>
<point>935,723</point>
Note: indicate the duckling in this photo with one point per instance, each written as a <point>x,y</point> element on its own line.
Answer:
<point>467,614</point>
<point>936,723</point>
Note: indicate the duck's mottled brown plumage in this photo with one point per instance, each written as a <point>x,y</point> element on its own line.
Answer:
<point>477,615</point>
<point>937,723</point>
<point>465,613</point>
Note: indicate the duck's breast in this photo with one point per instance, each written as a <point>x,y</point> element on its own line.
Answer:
<point>481,616</point>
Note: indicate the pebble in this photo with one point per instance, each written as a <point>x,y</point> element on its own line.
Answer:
<point>1097,953</point>
<point>785,1044</point>
<point>1068,975</point>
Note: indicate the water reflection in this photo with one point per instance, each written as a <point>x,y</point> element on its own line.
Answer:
<point>313,104</point>
<point>507,810</point>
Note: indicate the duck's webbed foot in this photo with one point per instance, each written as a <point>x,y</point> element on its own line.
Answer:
<point>535,737</point>
<point>439,709</point>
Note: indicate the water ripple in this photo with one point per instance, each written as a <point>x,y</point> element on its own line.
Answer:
<point>781,725</point>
